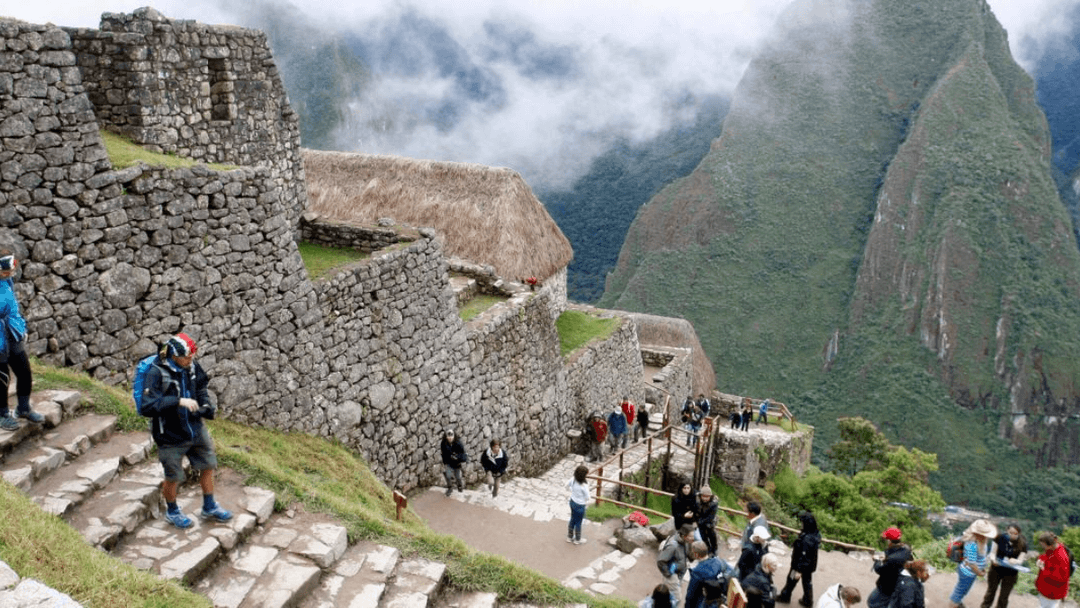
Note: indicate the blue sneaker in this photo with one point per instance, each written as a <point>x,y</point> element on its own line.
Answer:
<point>8,423</point>
<point>178,519</point>
<point>216,513</point>
<point>31,415</point>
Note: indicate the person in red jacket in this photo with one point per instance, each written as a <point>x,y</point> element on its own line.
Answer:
<point>628,411</point>
<point>1054,568</point>
<point>596,431</point>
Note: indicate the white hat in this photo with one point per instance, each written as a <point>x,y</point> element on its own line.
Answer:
<point>760,532</point>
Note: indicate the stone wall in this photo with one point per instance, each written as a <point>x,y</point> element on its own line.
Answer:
<point>675,378</point>
<point>745,459</point>
<point>207,92</point>
<point>115,261</point>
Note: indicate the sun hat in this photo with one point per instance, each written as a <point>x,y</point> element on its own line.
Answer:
<point>760,532</point>
<point>891,534</point>
<point>982,528</point>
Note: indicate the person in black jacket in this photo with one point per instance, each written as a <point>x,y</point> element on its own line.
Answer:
<point>494,460</point>
<point>453,456</point>
<point>706,518</point>
<point>758,585</point>
<point>909,592</point>
<point>888,568</point>
<point>804,554</point>
<point>176,401</point>
<point>1010,545</point>
<point>684,506</point>
<point>753,553</point>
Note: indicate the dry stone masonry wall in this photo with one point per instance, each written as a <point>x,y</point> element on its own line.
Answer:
<point>114,261</point>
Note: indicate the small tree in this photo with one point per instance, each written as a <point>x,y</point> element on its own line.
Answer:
<point>861,446</point>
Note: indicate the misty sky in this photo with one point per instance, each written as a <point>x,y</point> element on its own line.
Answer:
<point>539,86</point>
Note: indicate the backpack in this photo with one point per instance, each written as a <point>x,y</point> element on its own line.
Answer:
<point>1072,564</point>
<point>717,586</point>
<point>138,385</point>
<point>955,550</point>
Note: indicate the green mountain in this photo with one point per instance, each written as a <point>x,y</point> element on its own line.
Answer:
<point>876,232</point>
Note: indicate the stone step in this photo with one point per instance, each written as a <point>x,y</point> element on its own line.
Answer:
<point>471,599</point>
<point>414,584</point>
<point>184,555</point>
<point>54,405</point>
<point>39,454</point>
<point>359,580</point>
<point>277,566</point>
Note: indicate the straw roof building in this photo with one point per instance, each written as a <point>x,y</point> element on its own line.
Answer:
<point>487,215</point>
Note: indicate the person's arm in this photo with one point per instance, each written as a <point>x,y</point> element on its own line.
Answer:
<point>207,409</point>
<point>156,398</point>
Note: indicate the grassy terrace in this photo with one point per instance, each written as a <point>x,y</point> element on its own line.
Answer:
<point>124,153</point>
<point>576,329</point>
<point>325,476</point>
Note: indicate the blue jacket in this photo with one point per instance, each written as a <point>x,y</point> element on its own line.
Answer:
<point>10,317</point>
<point>616,424</point>
<point>166,384</point>
<point>707,569</point>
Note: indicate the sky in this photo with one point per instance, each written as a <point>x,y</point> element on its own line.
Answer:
<point>542,86</point>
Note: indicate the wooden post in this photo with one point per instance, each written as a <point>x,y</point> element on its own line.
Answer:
<point>599,496</point>
<point>401,502</point>
<point>648,470</point>
<point>618,491</point>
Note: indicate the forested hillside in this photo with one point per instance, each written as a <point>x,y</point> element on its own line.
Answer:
<point>877,233</point>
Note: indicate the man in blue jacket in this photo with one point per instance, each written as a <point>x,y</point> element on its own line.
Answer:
<point>176,401</point>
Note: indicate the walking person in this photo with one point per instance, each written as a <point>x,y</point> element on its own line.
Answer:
<point>596,430</point>
<point>176,400</point>
<point>579,499</point>
<point>672,560</point>
<point>909,592</point>
<point>763,413</point>
<point>804,557</point>
<point>888,568</point>
<point>976,548</point>
<point>747,416</point>
<point>494,460</point>
<point>753,554</point>
<point>708,583</point>
<point>758,585</point>
<point>1009,546</point>
<point>641,429</point>
<point>453,457</point>
<point>1055,567</point>
<point>12,350</point>
<point>628,411</point>
<point>618,431</point>
<point>707,506</point>
<point>754,519</point>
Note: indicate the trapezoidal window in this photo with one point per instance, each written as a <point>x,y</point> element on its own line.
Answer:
<point>222,98</point>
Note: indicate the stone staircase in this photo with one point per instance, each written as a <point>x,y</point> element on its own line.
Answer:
<point>106,485</point>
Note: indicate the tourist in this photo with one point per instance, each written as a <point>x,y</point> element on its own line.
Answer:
<point>12,349</point>
<point>888,568</point>
<point>736,418</point>
<point>747,415</point>
<point>976,547</point>
<point>804,556</point>
<point>659,598</point>
<point>176,400</point>
<point>618,431</point>
<point>579,499</point>
<point>596,431</point>
<point>684,506</point>
<point>641,429</point>
<point>1054,566</point>
<point>754,519</point>
<point>707,505</point>
<point>703,404</point>
<point>494,460</point>
<point>672,559</point>
<point>628,411</point>
<point>1009,547</point>
<point>453,458</point>
<point>763,413</point>
<point>839,596</point>
<point>758,585</point>
<point>909,592</point>
<point>752,555</point>
<point>708,579</point>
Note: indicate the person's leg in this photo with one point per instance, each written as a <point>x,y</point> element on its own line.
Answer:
<point>807,590</point>
<point>458,478</point>
<point>495,485</point>
<point>784,596</point>
<point>877,599</point>
<point>993,577</point>
<point>1045,602</point>
<point>708,535</point>
<point>24,380</point>
<point>1008,581</point>
<point>203,459</point>
<point>448,473</point>
<point>171,461</point>
<point>963,585</point>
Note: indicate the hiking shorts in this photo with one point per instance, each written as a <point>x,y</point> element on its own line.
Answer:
<point>199,451</point>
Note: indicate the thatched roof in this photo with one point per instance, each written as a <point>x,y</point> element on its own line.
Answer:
<point>487,215</point>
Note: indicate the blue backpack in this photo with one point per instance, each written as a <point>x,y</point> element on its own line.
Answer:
<point>142,369</point>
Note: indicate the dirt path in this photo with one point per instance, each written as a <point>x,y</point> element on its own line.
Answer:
<point>542,547</point>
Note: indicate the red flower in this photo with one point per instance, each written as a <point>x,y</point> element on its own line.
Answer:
<point>532,280</point>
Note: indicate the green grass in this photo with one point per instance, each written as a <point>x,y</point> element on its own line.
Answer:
<point>477,305</point>
<point>325,476</point>
<point>45,548</point>
<point>576,329</point>
<point>322,260</point>
<point>124,153</point>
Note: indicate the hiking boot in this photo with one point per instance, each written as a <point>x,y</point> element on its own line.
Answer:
<point>31,415</point>
<point>178,519</point>
<point>580,541</point>
<point>494,492</point>
<point>216,513</point>
<point>449,491</point>
<point>569,539</point>
<point>7,423</point>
